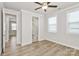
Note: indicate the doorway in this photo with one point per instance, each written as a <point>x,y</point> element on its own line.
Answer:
<point>35,27</point>
<point>9,33</point>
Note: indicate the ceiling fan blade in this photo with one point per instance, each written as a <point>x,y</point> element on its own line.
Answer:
<point>38,8</point>
<point>52,6</point>
<point>48,2</point>
<point>38,3</point>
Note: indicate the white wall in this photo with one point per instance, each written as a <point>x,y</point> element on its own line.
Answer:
<point>27,26</point>
<point>62,37</point>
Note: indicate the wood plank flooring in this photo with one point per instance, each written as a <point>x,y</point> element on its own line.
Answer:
<point>42,48</point>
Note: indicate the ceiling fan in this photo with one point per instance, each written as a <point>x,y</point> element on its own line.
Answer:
<point>45,5</point>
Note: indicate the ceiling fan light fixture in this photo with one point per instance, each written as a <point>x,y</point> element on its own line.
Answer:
<point>44,7</point>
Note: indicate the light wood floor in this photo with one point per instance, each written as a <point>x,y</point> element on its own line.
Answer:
<point>41,48</point>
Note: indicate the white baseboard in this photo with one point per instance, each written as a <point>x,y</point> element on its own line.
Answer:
<point>18,43</point>
<point>26,43</point>
<point>41,39</point>
<point>22,44</point>
<point>63,44</point>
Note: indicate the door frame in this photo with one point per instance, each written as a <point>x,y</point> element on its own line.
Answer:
<point>11,12</point>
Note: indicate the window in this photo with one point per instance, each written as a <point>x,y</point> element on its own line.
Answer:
<point>73,22</point>
<point>13,26</point>
<point>52,24</point>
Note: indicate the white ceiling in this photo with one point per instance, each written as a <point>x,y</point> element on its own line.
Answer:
<point>30,6</point>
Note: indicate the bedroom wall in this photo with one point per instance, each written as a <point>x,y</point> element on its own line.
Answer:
<point>62,36</point>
